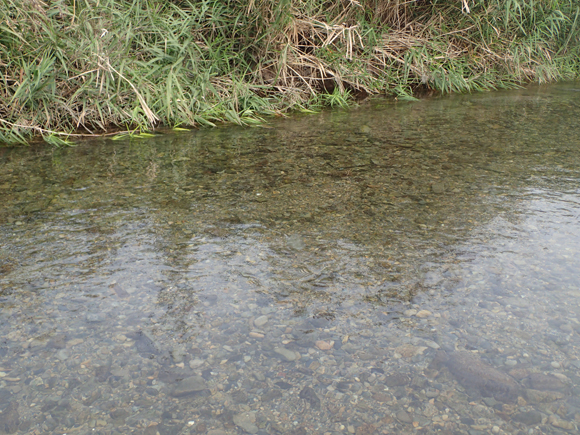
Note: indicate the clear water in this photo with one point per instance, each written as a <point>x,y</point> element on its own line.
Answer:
<point>398,268</point>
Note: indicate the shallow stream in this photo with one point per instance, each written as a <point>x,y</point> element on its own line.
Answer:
<point>400,268</point>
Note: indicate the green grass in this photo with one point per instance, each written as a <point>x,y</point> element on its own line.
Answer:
<point>70,68</point>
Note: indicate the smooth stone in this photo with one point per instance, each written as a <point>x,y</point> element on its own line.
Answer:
<point>189,385</point>
<point>424,313</point>
<point>296,242</point>
<point>95,318</point>
<point>246,420</point>
<point>438,187</point>
<point>10,418</point>
<point>216,432</point>
<point>555,364</point>
<point>563,424</point>
<point>62,354</point>
<point>511,362</point>
<point>324,345</point>
<point>536,396</point>
<point>288,355</point>
<point>410,313</point>
<point>404,417</point>
<point>260,321</point>
<point>195,363</point>
<point>259,376</point>
<point>542,382</point>
<point>529,418</point>
<point>431,344</point>
<point>177,355</point>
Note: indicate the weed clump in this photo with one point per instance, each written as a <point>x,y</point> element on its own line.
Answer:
<point>74,67</point>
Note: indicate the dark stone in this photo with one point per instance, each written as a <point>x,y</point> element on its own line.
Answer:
<point>539,381</point>
<point>473,373</point>
<point>10,419</point>
<point>396,380</point>
<point>271,395</point>
<point>404,417</point>
<point>102,373</point>
<point>235,357</point>
<point>58,342</point>
<point>119,415</point>
<point>50,404</point>
<point>529,418</point>
<point>188,386</point>
<point>5,396</point>
<point>145,345</point>
<point>284,385</point>
<point>95,395</point>
<point>239,397</point>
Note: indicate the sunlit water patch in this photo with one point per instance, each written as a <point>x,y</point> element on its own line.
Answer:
<point>401,268</point>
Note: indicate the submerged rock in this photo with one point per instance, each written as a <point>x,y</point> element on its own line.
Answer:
<point>246,421</point>
<point>542,382</point>
<point>471,372</point>
<point>189,386</point>
<point>310,396</point>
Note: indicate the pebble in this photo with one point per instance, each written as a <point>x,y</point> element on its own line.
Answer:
<point>424,313</point>
<point>286,354</point>
<point>324,345</point>
<point>438,187</point>
<point>62,354</point>
<point>195,363</point>
<point>529,418</point>
<point>563,424</point>
<point>260,321</point>
<point>404,417</point>
<point>177,354</point>
<point>431,344</point>
<point>246,420</point>
<point>74,342</point>
<point>189,386</point>
<point>555,364</point>
<point>410,313</point>
<point>95,318</point>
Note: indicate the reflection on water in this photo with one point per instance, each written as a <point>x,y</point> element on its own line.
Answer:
<point>405,268</point>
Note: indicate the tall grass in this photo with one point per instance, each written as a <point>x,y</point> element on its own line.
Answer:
<point>83,67</point>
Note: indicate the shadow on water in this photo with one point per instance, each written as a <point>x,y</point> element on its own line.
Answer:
<point>398,268</point>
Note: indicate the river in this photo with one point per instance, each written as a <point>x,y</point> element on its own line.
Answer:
<point>399,268</point>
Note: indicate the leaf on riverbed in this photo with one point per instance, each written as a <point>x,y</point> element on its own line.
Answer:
<point>119,291</point>
<point>310,396</point>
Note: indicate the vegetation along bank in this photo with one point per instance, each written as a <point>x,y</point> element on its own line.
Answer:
<point>98,66</point>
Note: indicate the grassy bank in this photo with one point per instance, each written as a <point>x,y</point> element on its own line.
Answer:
<point>97,66</point>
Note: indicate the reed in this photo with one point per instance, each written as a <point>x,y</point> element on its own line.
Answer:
<point>71,68</point>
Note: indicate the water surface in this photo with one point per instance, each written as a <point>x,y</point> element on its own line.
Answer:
<point>398,268</point>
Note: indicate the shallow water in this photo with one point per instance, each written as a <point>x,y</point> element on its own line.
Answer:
<point>399,268</point>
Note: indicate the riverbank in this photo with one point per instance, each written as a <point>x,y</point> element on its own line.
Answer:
<point>67,66</point>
